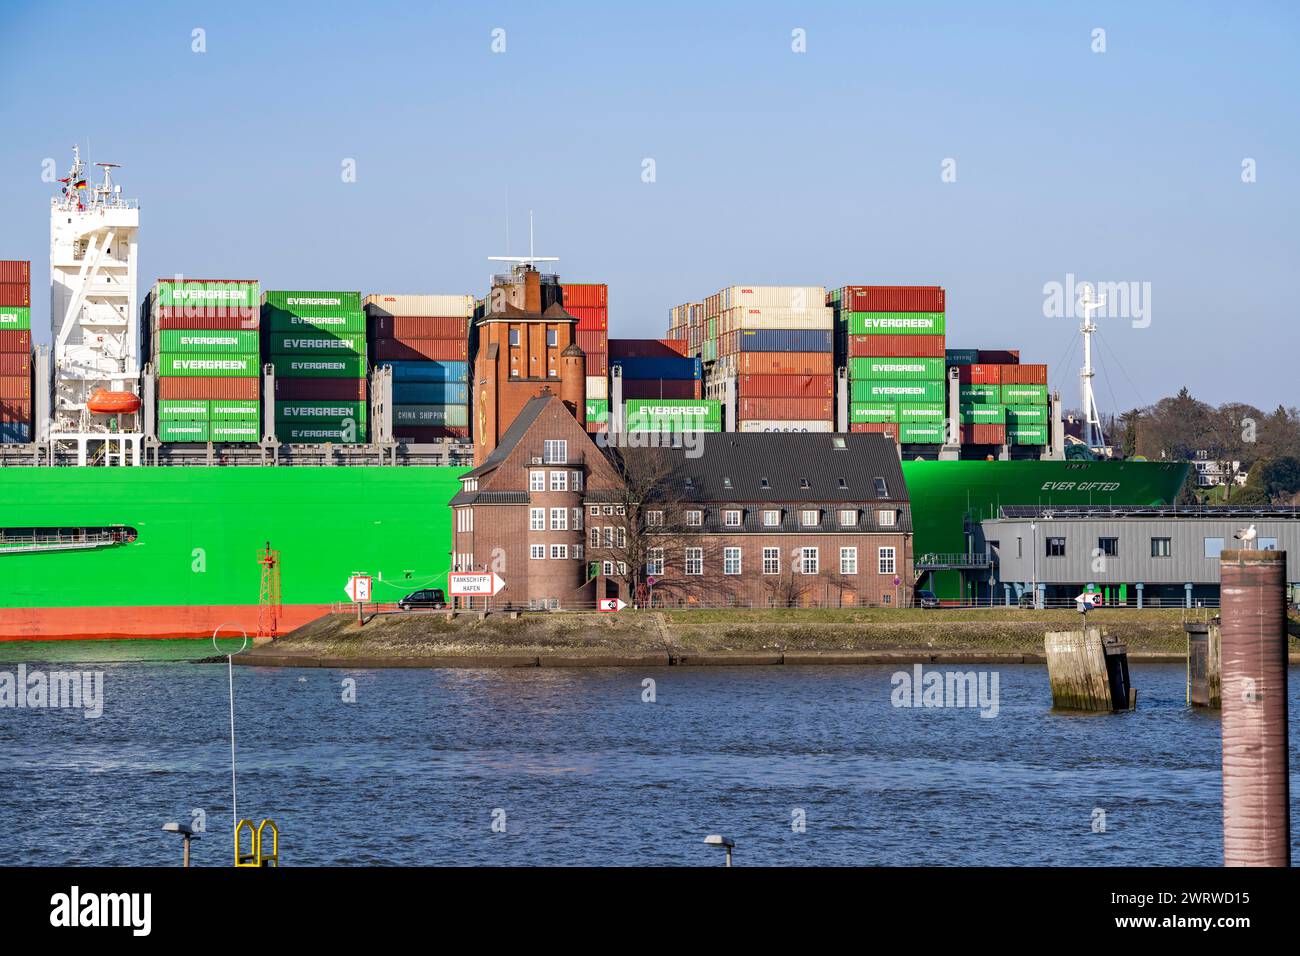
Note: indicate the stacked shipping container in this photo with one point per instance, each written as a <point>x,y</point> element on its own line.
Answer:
<point>205,347</point>
<point>776,341</point>
<point>317,343</point>
<point>15,351</point>
<point>891,340</point>
<point>425,339</point>
<point>588,302</point>
<point>1001,401</point>
<point>656,368</point>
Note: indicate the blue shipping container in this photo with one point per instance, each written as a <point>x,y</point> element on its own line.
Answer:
<point>691,369</point>
<point>11,432</point>
<point>430,393</point>
<point>961,357</point>
<point>784,340</point>
<point>429,371</point>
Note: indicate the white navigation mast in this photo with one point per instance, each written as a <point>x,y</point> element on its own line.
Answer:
<point>1090,302</point>
<point>529,259</point>
<point>94,312</point>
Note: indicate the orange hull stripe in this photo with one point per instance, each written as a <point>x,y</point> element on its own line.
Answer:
<point>89,623</point>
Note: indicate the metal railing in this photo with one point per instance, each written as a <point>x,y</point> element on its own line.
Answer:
<point>938,561</point>
<point>61,542</point>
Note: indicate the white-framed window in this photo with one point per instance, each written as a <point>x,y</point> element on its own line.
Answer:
<point>593,510</point>
<point>577,552</point>
<point>607,537</point>
<point>608,509</point>
<point>514,336</point>
<point>536,519</point>
<point>537,480</point>
<point>552,338</point>
<point>731,518</point>
<point>607,568</point>
<point>560,552</point>
<point>771,519</point>
<point>537,551</point>
<point>654,519</point>
<point>771,560</point>
<point>621,566</point>
<point>809,517</point>
<point>555,451</point>
<point>620,537</point>
<point>694,519</point>
<point>808,560</point>
<point>886,519</point>
<point>577,519</point>
<point>654,563</point>
<point>620,510</point>
<point>730,560</point>
<point>848,560</point>
<point>559,481</point>
<point>886,560</point>
<point>694,561</point>
<point>577,481</point>
<point>559,519</point>
<point>848,517</point>
<point>464,519</point>
<point>593,540</point>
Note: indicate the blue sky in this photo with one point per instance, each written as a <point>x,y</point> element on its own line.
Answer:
<point>771,167</point>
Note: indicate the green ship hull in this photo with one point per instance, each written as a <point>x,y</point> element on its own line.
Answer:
<point>950,498</point>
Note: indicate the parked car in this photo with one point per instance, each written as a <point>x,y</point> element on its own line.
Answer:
<point>926,599</point>
<point>426,598</point>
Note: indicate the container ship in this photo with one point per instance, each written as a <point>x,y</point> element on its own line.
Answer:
<point>221,455</point>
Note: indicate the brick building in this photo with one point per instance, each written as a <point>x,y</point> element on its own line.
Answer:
<point>764,519</point>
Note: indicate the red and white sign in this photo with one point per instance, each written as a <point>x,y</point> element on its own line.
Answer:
<point>610,604</point>
<point>358,588</point>
<point>1089,599</point>
<point>474,583</point>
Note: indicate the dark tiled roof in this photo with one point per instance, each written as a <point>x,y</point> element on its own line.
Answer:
<point>490,498</point>
<point>523,421</point>
<point>733,466</point>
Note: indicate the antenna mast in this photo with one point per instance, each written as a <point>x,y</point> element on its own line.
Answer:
<point>1091,302</point>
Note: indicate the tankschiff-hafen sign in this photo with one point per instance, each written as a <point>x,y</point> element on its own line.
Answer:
<point>474,584</point>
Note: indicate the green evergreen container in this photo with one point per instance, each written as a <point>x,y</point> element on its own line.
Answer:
<point>979,393</point>
<point>983,414</point>
<point>313,302</point>
<point>317,343</point>
<point>1027,434</point>
<point>1023,394</point>
<point>876,391</point>
<point>180,431</point>
<point>1026,414</point>
<point>860,412</point>
<point>207,342</point>
<point>234,431</point>
<point>914,413</point>
<point>894,323</point>
<point>15,318</point>
<point>324,366</point>
<point>919,434</point>
<point>896,368</point>
<point>597,410</point>
<point>335,412</point>
<point>280,320</point>
<point>320,432</point>
<point>177,410</point>
<point>191,294</point>
<point>191,365</point>
<point>697,410</point>
<point>230,409</point>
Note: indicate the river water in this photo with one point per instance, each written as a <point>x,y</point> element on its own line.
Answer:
<point>800,765</point>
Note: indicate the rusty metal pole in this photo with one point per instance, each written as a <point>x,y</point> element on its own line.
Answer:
<point>1256,791</point>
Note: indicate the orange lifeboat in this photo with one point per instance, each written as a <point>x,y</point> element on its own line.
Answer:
<point>105,402</point>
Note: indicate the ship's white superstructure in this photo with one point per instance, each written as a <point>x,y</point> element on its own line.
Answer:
<point>94,312</point>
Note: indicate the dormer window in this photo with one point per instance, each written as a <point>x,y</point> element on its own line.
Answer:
<point>803,484</point>
<point>764,483</point>
<point>726,482</point>
<point>843,484</point>
<point>882,489</point>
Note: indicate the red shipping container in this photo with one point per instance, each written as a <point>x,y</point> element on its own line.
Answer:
<point>590,319</point>
<point>1024,374</point>
<point>786,386</point>
<point>876,428</point>
<point>584,295</point>
<point>786,409</point>
<point>893,298</point>
<point>591,341</point>
<point>13,341</point>
<point>209,319</point>
<point>15,363</point>
<point>895,346</point>
<point>785,363</point>
<point>983,434</point>
<point>172,387</point>
<point>424,434</point>
<point>16,270</point>
<point>420,327</point>
<point>980,374</point>
<point>999,356</point>
<point>644,348</point>
<point>662,388</point>
<point>317,389</point>
<point>16,386</point>
<point>15,294</point>
<point>442,350</point>
<point>597,363</point>
<point>15,410</point>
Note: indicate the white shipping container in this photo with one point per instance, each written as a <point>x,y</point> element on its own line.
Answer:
<point>753,318</point>
<point>773,296</point>
<point>452,306</point>
<point>597,386</point>
<point>760,425</point>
